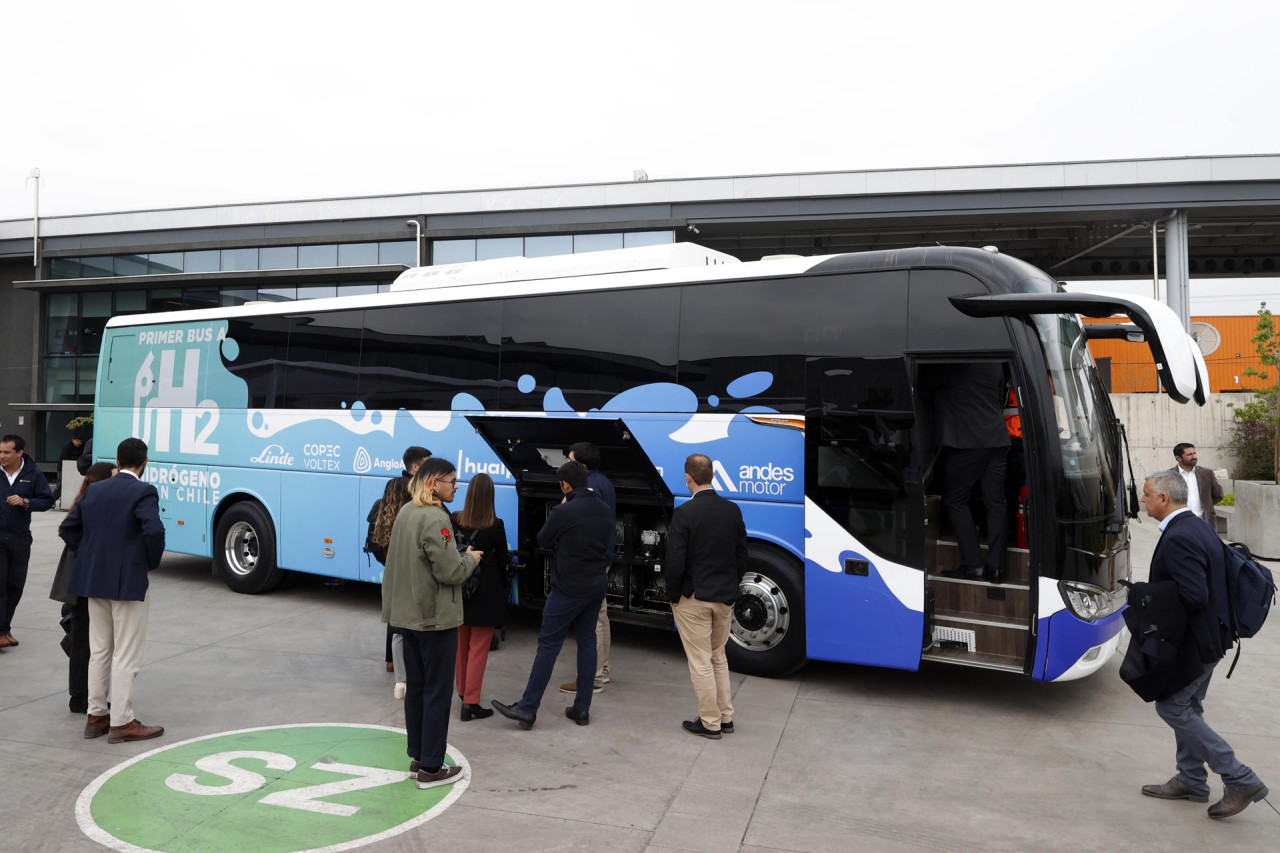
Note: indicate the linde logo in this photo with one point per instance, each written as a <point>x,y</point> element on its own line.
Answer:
<point>766,479</point>
<point>273,454</point>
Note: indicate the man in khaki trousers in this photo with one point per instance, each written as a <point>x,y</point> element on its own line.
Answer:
<point>119,538</point>
<point>706,558</point>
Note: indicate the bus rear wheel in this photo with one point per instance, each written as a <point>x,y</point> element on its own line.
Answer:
<point>245,549</point>
<point>766,635</point>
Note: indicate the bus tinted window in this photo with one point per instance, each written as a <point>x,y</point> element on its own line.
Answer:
<point>262,343</point>
<point>590,345</point>
<point>421,356</point>
<point>324,354</point>
<point>936,324</point>
<point>727,330</point>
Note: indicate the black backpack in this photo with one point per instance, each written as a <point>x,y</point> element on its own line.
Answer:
<point>370,547</point>
<point>1250,589</point>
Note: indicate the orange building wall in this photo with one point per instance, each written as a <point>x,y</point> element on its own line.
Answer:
<point>1132,370</point>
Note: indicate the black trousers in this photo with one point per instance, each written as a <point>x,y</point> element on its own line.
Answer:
<point>75,642</point>
<point>15,553</point>
<point>981,471</point>
<point>429,657</point>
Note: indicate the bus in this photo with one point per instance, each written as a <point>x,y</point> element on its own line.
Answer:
<point>273,428</point>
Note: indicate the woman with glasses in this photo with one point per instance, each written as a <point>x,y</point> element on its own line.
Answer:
<point>486,609</point>
<point>422,596</point>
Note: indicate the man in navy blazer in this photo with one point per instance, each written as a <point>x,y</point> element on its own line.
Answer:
<point>118,536</point>
<point>706,558</point>
<point>1190,554</point>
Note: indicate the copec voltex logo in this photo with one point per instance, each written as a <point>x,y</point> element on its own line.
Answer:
<point>767,479</point>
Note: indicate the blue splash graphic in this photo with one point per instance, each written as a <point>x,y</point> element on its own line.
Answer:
<point>750,385</point>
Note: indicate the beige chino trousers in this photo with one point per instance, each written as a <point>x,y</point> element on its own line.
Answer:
<point>704,630</point>
<point>117,630</point>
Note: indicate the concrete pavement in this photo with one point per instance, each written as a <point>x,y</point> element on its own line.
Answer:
<point>835,757</point>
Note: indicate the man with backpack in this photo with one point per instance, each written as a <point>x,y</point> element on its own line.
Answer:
<point>1190,555</point>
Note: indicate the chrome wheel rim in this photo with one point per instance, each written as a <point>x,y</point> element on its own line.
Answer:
<point>761,616</point>
<point>242,548</point>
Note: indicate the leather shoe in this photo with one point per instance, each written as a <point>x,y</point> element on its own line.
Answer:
<point>726,728</point>
<point>515,712</point>
<point>695,727</point>
<point>1236,798</point>
<point>96,726</point>
<point>1174,789</point>
<point>572,687</point>
<point>474,712</point>
<point>8,640</point>
<point>582,718</point>
<point>133,731</point>
<point>993,576</point>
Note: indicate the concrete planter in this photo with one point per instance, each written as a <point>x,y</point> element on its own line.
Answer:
<point>1256,521</point>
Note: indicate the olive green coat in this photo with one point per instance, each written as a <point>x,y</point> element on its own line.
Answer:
<point>421,588</point>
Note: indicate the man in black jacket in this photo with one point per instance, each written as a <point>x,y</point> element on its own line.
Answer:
<point>1190,554</point>
<point>23,490</point>
<point>706,558</point>
<point>579,530</point>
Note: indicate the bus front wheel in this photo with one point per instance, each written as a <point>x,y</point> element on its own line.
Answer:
<point>767,632</point>
<point>245,549</point>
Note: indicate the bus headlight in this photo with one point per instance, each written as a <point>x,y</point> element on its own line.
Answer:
<point>1090,602</point>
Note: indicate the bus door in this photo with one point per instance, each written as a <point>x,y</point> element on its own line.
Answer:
<point>864,514</point>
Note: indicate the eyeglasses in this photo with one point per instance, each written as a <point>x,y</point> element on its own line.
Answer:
<point>452,482</point>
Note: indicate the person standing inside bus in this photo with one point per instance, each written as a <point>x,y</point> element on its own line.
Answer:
<point>75,610</point>
<point>1189,553</point>
<point>706,559</point>
<point>975,441</point>
<point>23,490</point>
<point>118,537</point>
<point>421,596</point>
<point>578,530</point>
<point>586,454</point>
<point>486,609</point>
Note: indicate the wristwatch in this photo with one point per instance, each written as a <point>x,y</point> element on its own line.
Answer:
<point>26,502</point>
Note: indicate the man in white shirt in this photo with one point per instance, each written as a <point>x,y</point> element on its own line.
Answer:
<point>1203,489</point>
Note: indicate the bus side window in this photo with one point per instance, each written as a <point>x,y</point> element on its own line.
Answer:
<point>263,346</point>
<point>324,353</point>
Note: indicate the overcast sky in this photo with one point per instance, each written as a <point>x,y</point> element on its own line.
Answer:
<point>134,105</point>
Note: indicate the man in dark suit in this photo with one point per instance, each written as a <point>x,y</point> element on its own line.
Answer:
<point>968,402</point>
<point>1203,489</point>
<point>706,558</point>
<point>588,456</point>
<point>118,536</point>
<point>579,530</point>
<point>1190,554</point>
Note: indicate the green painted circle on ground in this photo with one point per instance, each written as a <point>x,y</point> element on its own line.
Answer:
<point>279,789</point>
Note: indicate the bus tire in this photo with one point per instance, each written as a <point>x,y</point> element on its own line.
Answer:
<point>766,634</point>
<point>245,549</point>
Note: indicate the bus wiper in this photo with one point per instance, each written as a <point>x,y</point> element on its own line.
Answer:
<point>1131,510</point>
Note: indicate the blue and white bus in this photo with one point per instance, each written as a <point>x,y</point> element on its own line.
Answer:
<point>274,426</point>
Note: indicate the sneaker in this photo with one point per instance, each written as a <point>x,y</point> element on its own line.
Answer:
<point>399,690</point>
<point>572,687</point>
<point>446,775</point>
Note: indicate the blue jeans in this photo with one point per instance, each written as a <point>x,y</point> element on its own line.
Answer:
<point>428,658</point>
<point>1197,743</point>
<point>559,615</point>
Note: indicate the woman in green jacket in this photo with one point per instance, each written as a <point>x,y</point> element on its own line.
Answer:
<point>422,596</point>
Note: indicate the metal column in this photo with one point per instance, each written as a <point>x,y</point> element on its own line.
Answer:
<point>1177,282</point>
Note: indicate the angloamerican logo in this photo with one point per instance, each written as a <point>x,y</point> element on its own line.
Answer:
<point>768,479</point>
<point>364,462</point>
<point>273,454</point>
